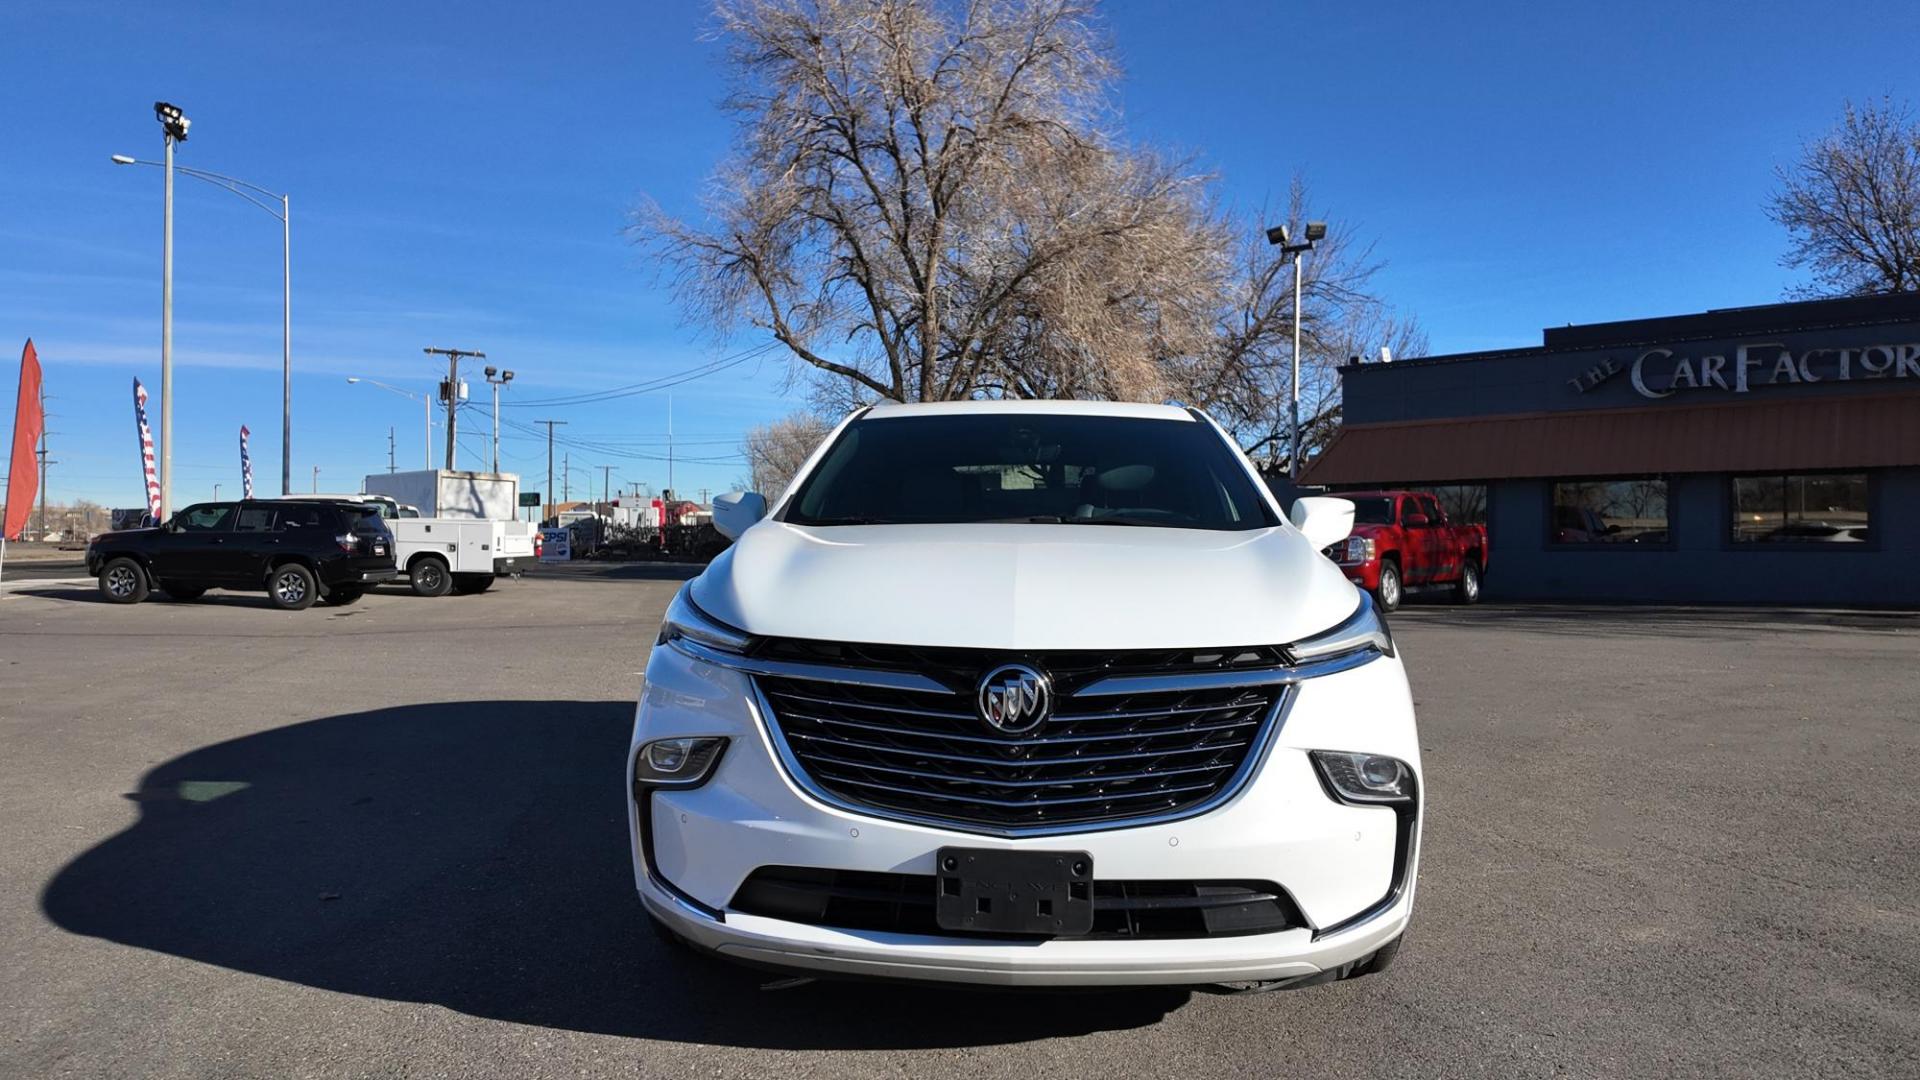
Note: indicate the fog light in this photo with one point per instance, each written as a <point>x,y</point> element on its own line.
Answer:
<point>679,763</point>
<point>1363,778</point>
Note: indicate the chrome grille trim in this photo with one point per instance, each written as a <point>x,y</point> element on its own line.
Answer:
<point>788,669</point>
<point>1249,749</point>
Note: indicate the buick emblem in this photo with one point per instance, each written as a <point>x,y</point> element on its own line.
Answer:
<point>1015,699</point>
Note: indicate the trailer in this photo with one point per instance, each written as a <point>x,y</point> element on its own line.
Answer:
<point>451,493</point>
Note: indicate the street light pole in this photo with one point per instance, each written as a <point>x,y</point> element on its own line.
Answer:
<point>1280,237</point>
<point>285,214</point>
<point>497,379</point>
<point>426,402</point>
<point>166,331</point>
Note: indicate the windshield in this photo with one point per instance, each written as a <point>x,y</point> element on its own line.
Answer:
<point>1030,468</point>
<point>1373,511</point>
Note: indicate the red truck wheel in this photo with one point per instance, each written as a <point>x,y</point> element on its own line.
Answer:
<point>1467,589</point>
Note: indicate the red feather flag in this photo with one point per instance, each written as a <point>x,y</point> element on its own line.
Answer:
<point>23,469</point>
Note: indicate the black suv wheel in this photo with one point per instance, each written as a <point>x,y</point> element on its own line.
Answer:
<point>124,581</point>
<point>292,587</point>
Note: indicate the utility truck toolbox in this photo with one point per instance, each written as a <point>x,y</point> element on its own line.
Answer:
<point>1038,693</point>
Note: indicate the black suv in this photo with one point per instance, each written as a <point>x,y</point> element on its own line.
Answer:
<point>297,551</point>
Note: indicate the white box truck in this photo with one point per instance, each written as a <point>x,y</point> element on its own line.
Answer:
<point>451,493</point>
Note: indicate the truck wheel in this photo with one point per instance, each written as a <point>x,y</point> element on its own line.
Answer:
<point>124,581</point>
<point>1389,592</point>
<point>471,584</point>
<point>430,577</point>
<point>292,587</point>
<point>1467,589</point>
<point>183,593</point>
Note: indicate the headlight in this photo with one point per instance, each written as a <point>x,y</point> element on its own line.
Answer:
<point>685,621</point>
<point>1363,778</point>
<point>1354,549</point>
<point>1364,630</point>
<point>676,763</point>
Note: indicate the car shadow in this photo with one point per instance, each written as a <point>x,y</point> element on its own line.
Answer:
<point>474,855</point>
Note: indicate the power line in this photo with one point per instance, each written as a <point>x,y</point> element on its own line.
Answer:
<point>648,386</point>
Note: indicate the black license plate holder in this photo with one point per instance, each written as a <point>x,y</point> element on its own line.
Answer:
<point>1042,893</point>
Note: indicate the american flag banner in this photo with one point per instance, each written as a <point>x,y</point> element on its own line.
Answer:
<point>246,466</point>
<point>146,450</point>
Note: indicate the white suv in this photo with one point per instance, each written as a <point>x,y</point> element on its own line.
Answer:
<point>1028,693</point>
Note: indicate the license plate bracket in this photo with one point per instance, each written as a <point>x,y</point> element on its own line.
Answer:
<point>1043,893</point>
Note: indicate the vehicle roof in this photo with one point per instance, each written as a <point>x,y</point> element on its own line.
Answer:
<point>1138,410</point>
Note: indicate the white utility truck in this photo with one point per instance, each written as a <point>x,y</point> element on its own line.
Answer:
<point>440,555</point>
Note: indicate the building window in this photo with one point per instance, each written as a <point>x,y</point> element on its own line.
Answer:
<point>1610,512</point>
<point>1465,504</point>
<point>1817,508</point>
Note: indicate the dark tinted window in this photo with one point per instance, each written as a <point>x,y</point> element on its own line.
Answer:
<point>254,519</point>
<point>1006,467</point>
<point>207,517</point>
<point>300,517</point>
<point>1427,506</point>
<point>365,519</point>
<point>1375,510</point>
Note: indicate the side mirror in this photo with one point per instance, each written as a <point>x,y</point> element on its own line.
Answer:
<point>1416,521</point>
<point>736,511</point>
<point>1324,520</point>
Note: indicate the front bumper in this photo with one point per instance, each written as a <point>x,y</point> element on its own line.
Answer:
<point>1350,869</point>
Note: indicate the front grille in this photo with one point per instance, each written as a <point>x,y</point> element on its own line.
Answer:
<point>904,904</point>
<point>1098,760</point>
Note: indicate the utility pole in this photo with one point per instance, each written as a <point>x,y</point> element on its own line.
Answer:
<point>566,477</point>
<point>390,464</point>
<point>450,390</point>
<point>606,477</point>
<point>669,440</point>
<point>550,426</point>
<point>216,493</point>
<point>316,479</point>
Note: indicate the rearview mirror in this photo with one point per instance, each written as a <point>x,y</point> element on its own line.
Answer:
<point>736,511</point>
<point>1324,520</point>
<point>1417,521</point>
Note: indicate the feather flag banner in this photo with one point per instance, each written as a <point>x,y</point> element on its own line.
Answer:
<point>246,466</point>
<point>146,450</point>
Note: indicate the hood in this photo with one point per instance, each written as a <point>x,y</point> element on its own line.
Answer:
<point>1025,587</point>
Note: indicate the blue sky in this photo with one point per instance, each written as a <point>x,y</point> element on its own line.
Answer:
<point>460,176</point>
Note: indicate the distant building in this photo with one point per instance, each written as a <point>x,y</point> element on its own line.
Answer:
<point>1766,454</point>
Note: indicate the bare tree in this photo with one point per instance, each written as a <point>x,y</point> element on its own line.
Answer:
<point>928,201</point>
<point>776,451</point>
<point>1852,204</point>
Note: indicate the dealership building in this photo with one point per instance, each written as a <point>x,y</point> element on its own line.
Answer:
<point>1765,454</point>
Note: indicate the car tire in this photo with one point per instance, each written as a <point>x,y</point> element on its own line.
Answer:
<point>341,597</point>
<point>1467,589</point>
<point>292,587</point>
<point>429,576</point>
<point>472,584</point>
<point>1391,590</point>
<point>184,593</point>
<point>124,581</point>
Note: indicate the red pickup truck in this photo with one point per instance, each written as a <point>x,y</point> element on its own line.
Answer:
<point>1403,539</point>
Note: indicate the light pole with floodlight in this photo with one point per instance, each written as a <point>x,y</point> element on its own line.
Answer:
<point>424,399</point>
<point>1278,236</point>
<point>283,215</point>
<point>497,379</point>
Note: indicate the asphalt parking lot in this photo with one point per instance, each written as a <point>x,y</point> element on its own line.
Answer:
<point>388,840</point>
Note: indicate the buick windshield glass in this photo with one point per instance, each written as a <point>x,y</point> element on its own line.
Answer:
<point>1030,469</point>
